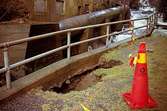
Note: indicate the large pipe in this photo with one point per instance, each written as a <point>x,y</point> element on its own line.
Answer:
<point>91,18</point>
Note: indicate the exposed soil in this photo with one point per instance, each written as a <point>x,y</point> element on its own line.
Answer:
<point>85,79</point>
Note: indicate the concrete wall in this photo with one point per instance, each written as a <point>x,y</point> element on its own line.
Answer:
<point>10,32</point>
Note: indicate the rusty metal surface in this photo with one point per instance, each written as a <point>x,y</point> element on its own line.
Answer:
<point>92,18</point>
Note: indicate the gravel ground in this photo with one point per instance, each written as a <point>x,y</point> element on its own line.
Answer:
<point>106,94</point>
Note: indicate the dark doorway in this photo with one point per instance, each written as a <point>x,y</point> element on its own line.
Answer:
<point>42,45</point>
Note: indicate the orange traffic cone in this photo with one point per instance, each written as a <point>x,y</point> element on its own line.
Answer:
<point>139,96</point>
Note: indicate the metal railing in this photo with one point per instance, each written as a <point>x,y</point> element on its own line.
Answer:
<point>151,21</point>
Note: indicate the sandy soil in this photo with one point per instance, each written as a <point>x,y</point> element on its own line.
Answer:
<point>106,95</point>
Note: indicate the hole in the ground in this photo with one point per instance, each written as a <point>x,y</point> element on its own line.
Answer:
<point>85,79</point>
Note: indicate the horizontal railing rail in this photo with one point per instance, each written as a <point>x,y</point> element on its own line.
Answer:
<point>61,48</point>
<point>151,21</point>
<point>16,42</point>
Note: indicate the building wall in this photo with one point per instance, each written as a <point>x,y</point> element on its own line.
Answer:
<point>55,10</point>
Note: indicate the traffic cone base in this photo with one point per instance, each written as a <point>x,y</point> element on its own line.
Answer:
<point>128,98</point>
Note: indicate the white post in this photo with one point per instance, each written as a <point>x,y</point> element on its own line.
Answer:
<point>132,27</point>
<point>6,64</point>
<point>108,37</point>
<point>68,43</point>
<point>147,25</point>
<point>153,20</point>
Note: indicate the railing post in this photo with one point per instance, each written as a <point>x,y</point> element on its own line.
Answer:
<point>147,25</point>
<point>68,43</point>
<point>6,64</point>
<point>150,22</point>
<point>108,37</point>
<point>153,20</point>
<point>156,19</point>
<point>132,28</point>
<point>152,25</point>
